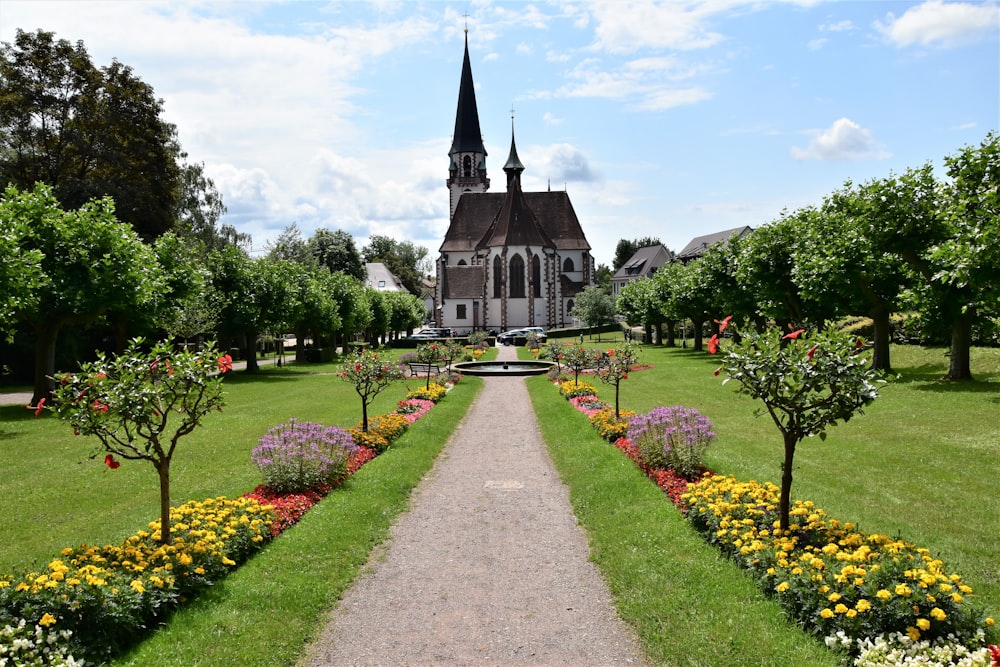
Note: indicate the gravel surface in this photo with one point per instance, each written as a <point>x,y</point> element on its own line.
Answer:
<point>488,566</point>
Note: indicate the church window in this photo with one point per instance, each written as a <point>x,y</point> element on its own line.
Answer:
<point>497,277</point>
<point>467,167</point>
<point>460,311</point>
<point>516,278</point>
<point>462,262</point>
<point>568,266</point>
<point>536,277</point>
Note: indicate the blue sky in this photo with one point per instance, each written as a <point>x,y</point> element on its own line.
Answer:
<point>663,119</point>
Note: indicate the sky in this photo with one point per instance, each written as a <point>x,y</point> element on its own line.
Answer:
<point>667,120</point>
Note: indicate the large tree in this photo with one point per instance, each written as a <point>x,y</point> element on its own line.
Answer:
<point>90,265</point>
<point>595,307</point>
<point>199,209</point>
<point>337,252</point>
<point>87,132</point>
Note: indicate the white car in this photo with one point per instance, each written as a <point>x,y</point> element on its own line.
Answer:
<point>509,337</point>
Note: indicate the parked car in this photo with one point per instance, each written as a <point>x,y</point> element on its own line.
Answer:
<point>431,332</point>
<point>514,335</point>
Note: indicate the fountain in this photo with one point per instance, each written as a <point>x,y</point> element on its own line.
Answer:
<point>503,368</point>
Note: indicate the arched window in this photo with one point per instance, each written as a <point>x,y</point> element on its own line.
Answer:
<point>497,277</point>
<point>462,262</point>
<point>568,265</point>
<point>516,282</point>
<point>536,277</point>
<point>467,167</point>
<point>569,306</point>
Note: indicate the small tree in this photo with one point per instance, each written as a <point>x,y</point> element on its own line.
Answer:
<point>578,358</point>
<point>595,307</point>
<point>430,353</point>
<point>805,385</point>
<point>614,366</point>
<point>369,376</point>
<point>128,402</point>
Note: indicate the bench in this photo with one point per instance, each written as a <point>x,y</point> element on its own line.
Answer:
<point>417,369</point>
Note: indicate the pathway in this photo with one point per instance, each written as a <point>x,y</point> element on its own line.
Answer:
<point>488,567</point>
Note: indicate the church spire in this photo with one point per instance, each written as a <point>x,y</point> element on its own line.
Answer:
<point>467,171</point>
<point>513,167</point>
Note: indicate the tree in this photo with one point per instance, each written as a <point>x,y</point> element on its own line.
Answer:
<point>370,376</point>
<point>595,307</point>
<point>765,267</point>
<point>638,304</point>
<point>20,267</point>
<point>603,276</point>
<point>132,404</point>
<point>90,264</point>
<point>291,246</point>
<point>806,385</point>
<point>199,209</point>
<point>87,132</point>
<point>692,295</point>
<point>614,367</point>
<point>337,252</point>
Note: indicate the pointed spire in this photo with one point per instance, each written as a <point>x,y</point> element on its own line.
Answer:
<point>468,138</point>
<point>513,167</point>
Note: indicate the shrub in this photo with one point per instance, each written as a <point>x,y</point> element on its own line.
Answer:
<point>673,438</point>
<point>299,455</point>
<point>572,388</point>
<point>609,426</point>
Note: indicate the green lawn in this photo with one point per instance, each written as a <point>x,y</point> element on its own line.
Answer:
<point>921,463</point>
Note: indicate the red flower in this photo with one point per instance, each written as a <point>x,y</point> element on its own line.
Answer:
<point>154,364</point>
<point>37,408</point>
<point>713,344</point>
<point>357,367</point>
<point>225,363</point>
<point>795,334</point>
<point>812,351</point>
<point>723,323</point>
<point>99,407</point>
<point>109,461</point>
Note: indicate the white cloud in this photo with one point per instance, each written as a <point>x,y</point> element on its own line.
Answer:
<point>817,44</point>
<point>936,23</point>
<point>550,119</point>
<point>558,164</point>
<point>840,26</point>
<point>844,140</point>
<point>625,27</point>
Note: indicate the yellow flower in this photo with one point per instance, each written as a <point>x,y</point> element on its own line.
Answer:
<point>47,620</point>
<point>923,624</point>
<point>903,590</point>
<point>137,586</point>
<point>834,596</point>
<point>938,614</point>
<point>990,622</point>
<point>841,608</point>
<point>883,594</point>
<point>863,605</point>
<point>826,613</point>
<point>782,587</point>
<point>913,633</point>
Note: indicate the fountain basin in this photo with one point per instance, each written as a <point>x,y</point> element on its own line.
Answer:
<point>503,368</point>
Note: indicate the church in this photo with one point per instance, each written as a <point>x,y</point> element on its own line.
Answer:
<point>509,260</point>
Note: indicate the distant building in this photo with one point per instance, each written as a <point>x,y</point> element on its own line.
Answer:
<point>643,264</point>
<point>382,279</point>
<point>700,244</point>
<point>508,260</point>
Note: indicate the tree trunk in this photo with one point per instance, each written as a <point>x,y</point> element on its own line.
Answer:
<point>163,468</point>
<point>300,345</point>
<point>648,330</point>
<point>786,481</point>
<point>880,355</point>
<point>46,336</point>
<point>696,346</point>
<point>671,333</point>
<point>251,347</point>
<point>364,414</point>
<point>961,344</point>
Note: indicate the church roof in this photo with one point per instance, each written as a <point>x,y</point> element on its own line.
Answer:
<point>463,282</point>
<point>553,211</point>
<point>515,223</point>
<point>468,137</point>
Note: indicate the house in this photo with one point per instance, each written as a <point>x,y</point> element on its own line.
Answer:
<point>643,264</point>
<point>700,244</point>
<point>509,259</point>
<point>382,279</point>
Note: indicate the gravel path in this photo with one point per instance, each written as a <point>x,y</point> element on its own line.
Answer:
<point>488,566</point>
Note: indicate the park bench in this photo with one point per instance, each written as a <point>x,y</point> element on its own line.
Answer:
<point>417,368</point>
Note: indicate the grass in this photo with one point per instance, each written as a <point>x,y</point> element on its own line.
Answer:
<point>921,463</point>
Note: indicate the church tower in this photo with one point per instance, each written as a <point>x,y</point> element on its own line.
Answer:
<point>467,171</point>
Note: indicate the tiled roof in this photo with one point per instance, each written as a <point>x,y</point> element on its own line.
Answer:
<point>699,244</point>
<point>463,282</point>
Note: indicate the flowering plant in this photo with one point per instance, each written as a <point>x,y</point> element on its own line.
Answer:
<point>577,358</point>
<point>370,376</point>
<point>433,392</point>
<point>614,365</point>
<point>299,455</point>
<point>431,354</point>
<point>572,388</point>
<point>127,403</point>
<point>899,650</point>
<point>610,425</point>
<point>588,404</point>
<point>672,438</point>
<point>414,408</point>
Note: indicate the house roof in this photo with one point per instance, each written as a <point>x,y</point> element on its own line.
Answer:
<point>644,262</point>
<point>700,244</point>
<point>381,278</point>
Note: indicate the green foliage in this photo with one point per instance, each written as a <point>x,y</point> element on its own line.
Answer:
<point>337,252</point>
<point>140,404</point>
<point>613,367</point>
<point>578,358</point>
<point>805,385</point>
<point>594,306</point>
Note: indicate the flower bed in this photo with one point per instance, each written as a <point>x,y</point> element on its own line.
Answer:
<point>93,602</point>
<point>830,578</point>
